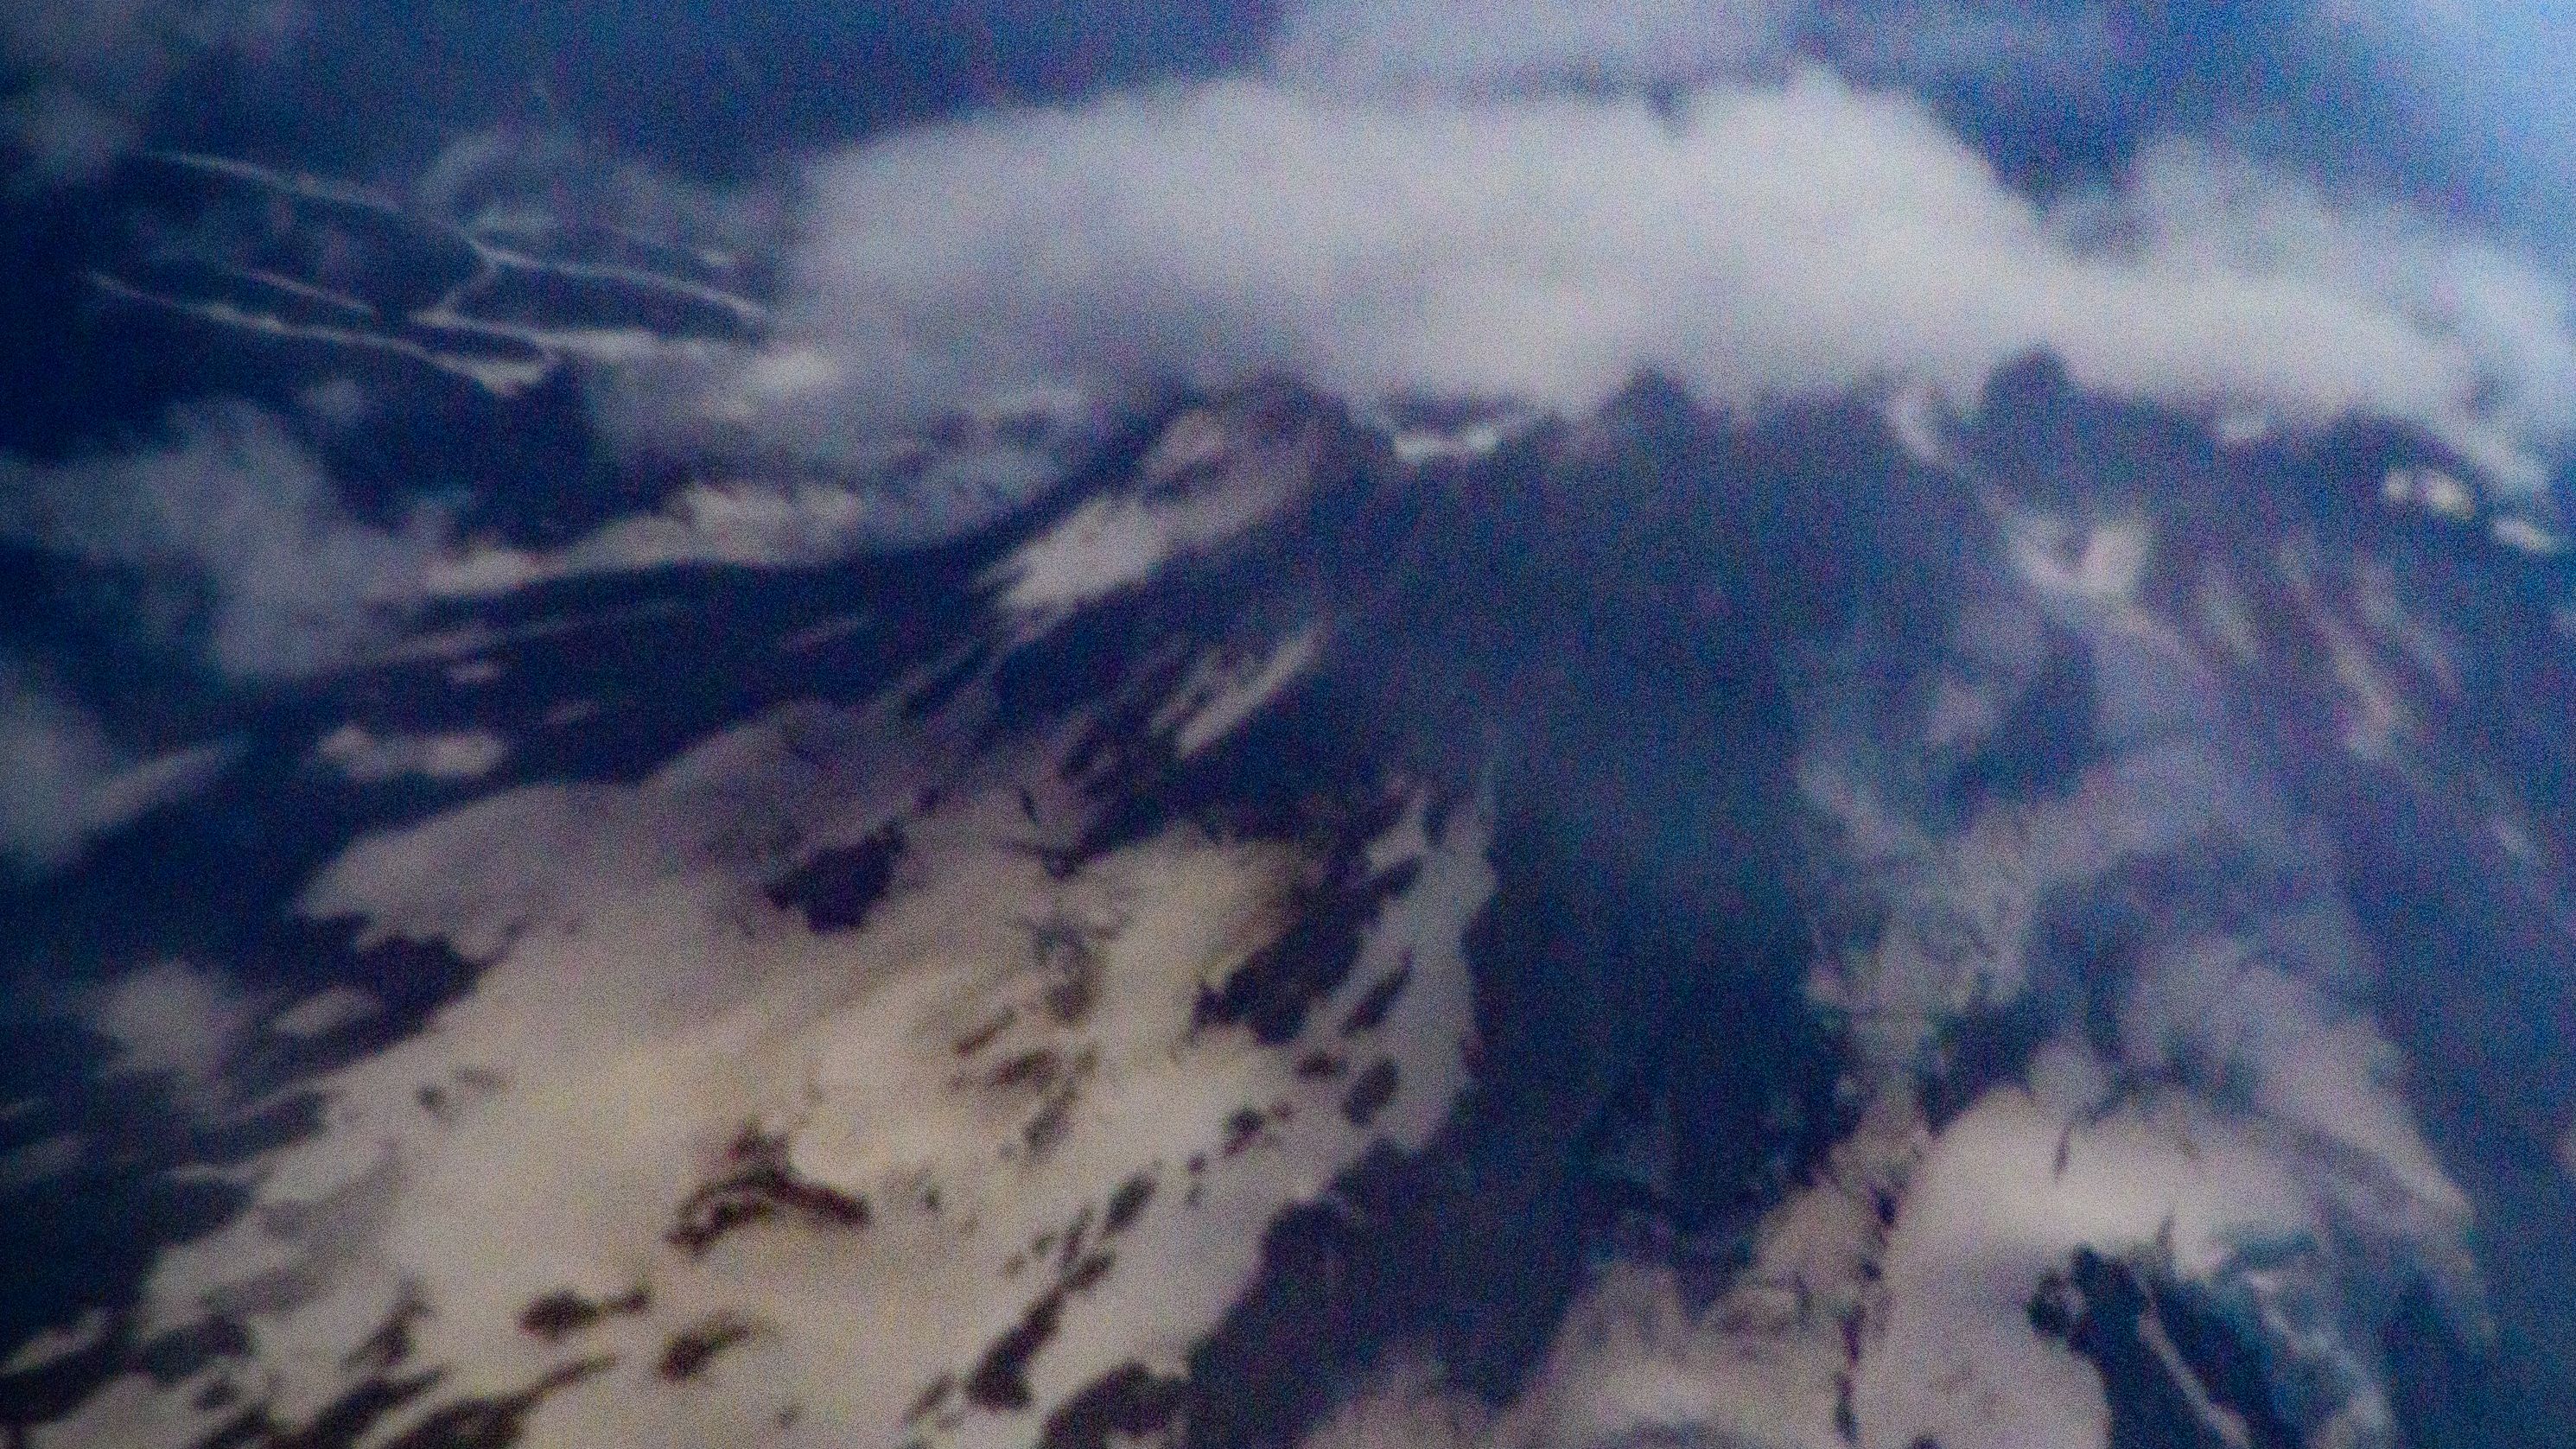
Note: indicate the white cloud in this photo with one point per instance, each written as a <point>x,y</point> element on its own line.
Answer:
<point>66,783</point>
<point>58,759</point>
<point>2311,1062</point>
<point>177,1022</point>
<point>1756,241</point>
<point>2510,319</point>
<point>236,519</point>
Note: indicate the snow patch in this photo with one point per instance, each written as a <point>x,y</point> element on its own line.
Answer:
<point>369,758</point>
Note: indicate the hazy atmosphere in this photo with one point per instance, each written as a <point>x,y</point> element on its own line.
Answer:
<point>1447,724</point>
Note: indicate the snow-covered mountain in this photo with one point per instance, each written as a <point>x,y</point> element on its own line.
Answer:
<point>1822,926</point>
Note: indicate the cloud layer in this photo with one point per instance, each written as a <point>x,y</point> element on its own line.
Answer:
<point>1754,241</point>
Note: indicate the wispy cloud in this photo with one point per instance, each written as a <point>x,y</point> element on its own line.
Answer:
<point>1756,241</point>
<point>229,530</point>
<point>177,1022</point>
<point>66,783</point>
<point>238,523</point>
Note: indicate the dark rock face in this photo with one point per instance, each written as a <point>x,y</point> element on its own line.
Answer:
<point>689,1351</point>
<point>1642,947</point>
<point>759,1187</point>
<point>837,888</point>
<point>562,1313</point>
<point>1131,1403</point>
<point>2175,1373</point>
